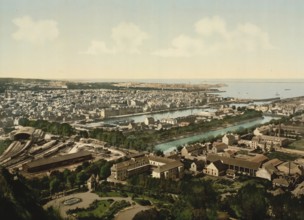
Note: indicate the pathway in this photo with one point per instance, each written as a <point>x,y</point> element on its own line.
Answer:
<point>89,197</point>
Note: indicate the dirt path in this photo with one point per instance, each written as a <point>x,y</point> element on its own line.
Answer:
<point>130,212</point>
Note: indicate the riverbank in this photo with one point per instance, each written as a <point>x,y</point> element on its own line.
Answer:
<point>150,113</point>
<point>213,129</point>
<point>171,145</point>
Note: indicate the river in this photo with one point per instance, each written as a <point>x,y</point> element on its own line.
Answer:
<point>156,116</point>
<point>171,145</point>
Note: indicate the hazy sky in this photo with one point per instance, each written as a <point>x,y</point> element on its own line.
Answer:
<point>152,39</point>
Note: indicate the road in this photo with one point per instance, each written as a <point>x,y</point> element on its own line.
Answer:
<point>130,212</point>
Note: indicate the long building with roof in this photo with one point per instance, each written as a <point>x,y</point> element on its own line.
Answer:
<point>242,166</point>
<point>160,167</point>
<point>58,161</point>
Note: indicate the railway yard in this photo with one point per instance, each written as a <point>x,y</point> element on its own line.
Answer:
<point>43,152</point>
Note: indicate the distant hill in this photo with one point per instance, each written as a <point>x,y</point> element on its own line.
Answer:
<point>8,80</point>
<point>17,201</point>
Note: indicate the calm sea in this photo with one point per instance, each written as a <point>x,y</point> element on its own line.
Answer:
<point>239,88</point>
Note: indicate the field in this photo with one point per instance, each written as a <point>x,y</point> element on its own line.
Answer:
<point>298,145</point>
<point>282,156</point>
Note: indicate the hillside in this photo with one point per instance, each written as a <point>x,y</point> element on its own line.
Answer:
<point>17,201</point>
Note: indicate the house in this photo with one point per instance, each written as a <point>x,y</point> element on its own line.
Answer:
<point>264,173</point>
<point>266,142</point>
<point>149,121</point>
<point>92,182</point>
<point>171,121</point>
<point>197,166</point>
<point>193,150</point>
<point>299,190</point>
<point>166,168</point>
<point>218,147</point>
<point>290,168</point>
<point>269,169</point>
<point>229,139</point>
<point>263,130</point>
<point>292,130</point>
<point>216,168</point>
<point>173,170</point>
<point>281,182</point>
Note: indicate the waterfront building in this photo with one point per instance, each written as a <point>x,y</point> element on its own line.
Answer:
<point>149,121</point>
<point>229,139</point>
<point>193,150</point>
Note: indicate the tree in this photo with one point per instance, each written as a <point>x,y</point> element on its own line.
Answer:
<point>54,185</point>
<point>70,181</point>
<point>84,134</point>
<point>250,202</point>
<point>159,153</point>
<point>81,177</point>
<point>23,121</point>
<point>105,171</point>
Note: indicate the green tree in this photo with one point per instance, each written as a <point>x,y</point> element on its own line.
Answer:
<point>81,177</point>
<point>105,171</point>
<point>159,153</point>
<point>250,202</point>
<point>23,121</point>
<point>54,185</point>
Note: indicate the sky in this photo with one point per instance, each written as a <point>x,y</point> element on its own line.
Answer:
<point>155,39</point>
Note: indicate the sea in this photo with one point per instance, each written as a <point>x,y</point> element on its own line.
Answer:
<point>238,88</point>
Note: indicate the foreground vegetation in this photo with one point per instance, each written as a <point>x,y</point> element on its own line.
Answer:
<point>17,201</point>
